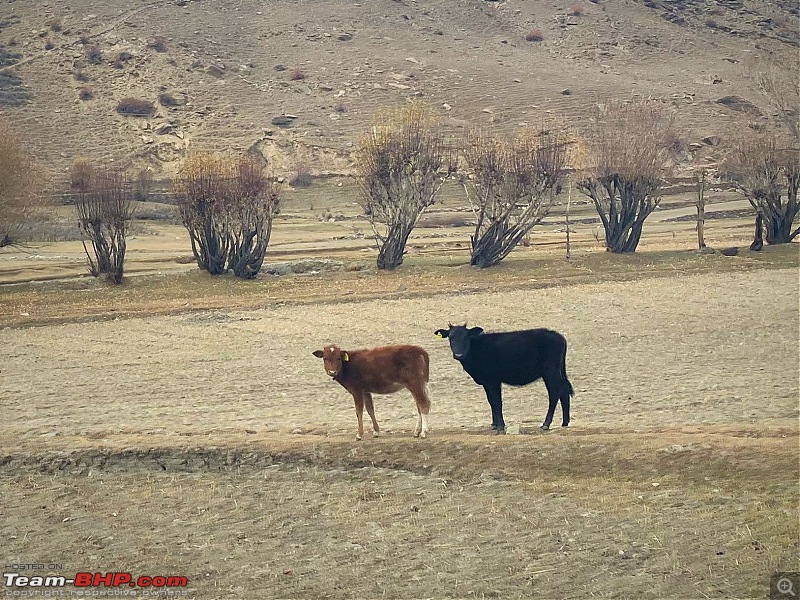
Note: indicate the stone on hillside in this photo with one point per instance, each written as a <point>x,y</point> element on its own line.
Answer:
<point>164,129</point>
<point>217,71</point>
<point>282,121</point>
<point>739,104</point>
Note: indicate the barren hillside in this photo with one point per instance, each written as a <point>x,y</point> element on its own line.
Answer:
<point>227,68</point>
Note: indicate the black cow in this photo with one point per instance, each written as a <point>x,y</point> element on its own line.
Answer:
<point>515,358</point>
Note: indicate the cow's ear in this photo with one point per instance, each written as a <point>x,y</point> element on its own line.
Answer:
<point>441,333</point>
<point>345,356</point>
<point>475,332</point>
<point>317,353</point>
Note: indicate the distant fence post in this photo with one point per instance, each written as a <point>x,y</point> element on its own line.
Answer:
<point>701,209</point>
<point>569,199</point>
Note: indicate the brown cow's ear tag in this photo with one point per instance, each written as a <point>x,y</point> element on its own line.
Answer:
<point>346,357</point>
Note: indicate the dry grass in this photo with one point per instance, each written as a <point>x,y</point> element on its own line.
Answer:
<point>680,485</point>
<point>421,275</point>
<point>330,518</point>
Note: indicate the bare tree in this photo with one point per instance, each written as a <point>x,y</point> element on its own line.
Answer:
<point>256,201</point>
<point>143,185</point>
<point>782,90</point>
<point>767,172</point>
<point>227,206</point>
<point>104,207</point>
<point>20,186</point>
<point>81,174</point>
<point>201,197</point>
<point>631,147</point>
<point>511,186</point>
<point>402,163</point>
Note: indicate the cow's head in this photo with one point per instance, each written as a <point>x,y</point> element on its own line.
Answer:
<point>333,358</point>
<point>460,338</point>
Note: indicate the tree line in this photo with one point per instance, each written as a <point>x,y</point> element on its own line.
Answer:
<point>228,203</point>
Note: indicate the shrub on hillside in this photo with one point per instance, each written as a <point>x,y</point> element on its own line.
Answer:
<point>534,35</point>
<point>85,93</point>
<point>135,107</point>
<point>296,75</point>
<point>159,44</point>
<point>302,178</point>
<point>94,54</point>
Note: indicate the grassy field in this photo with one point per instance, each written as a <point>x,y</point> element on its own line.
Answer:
<point>179,425</point>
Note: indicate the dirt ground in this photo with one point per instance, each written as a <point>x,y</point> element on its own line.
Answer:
<point>211,444</point>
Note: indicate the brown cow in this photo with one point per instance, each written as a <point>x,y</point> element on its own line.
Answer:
<point>380,371</point>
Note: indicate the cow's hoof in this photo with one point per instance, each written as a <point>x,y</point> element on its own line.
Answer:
<point>499,431</point>
<point>565,424</point>
<point>545,427</point>
<point>358,438</point>
<point>423,435</point>
<point>416,434</point>
<point>377,434</point>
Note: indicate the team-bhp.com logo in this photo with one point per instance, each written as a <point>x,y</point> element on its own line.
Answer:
<point>95,580</point>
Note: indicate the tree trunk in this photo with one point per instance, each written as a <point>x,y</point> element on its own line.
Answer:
<point>489,249</point>
<point>779,229</point>
<point>569,199</point>
<point>758,237</point>
<point>390,255</point>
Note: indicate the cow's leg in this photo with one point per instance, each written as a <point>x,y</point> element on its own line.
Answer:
<point>359,400</point>
<point>565,408</point>
<point>494,394</point>
<point>371,411</point>
<point>552,384</point>
<point>420,393</point>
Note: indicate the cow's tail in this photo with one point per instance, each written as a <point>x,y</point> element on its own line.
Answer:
<point>424,403</point>
<point>566,385</point>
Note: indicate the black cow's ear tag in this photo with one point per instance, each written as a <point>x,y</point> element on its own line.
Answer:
<point>439,335</point>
